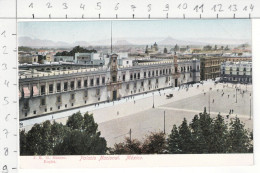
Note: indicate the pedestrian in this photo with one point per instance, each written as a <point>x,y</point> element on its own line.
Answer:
<point>232,111</point>
<point>213,101</point>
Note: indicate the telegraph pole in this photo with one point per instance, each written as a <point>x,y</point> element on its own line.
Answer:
<point>153,100</point>
<point>209,102</point>
<point>164,123</point>
<point>250,111</point>
<point>130,132</point>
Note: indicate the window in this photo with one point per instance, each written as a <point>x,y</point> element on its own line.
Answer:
<point>142,84</point>
<point>42,101</point>
<point>72,96</point>
<point>58,107</point>
<point>86,93</point>
<point>72,85</point>
<point>97,81</point>
<point>25,114</point>
<point>144,74</point>
<point>166,79</point>
<point>103,80</point>
<point>65,105</point>
<point>79,83</point>
<point>51,88</point>
<point>127,86</point>
<point>91,82</point>
<point>123,77</point>
<point>34,112</point>
<point>160,72</point>
<point>58,99</point>
<point>170,70</point>
<point>166,71</point>
<point>156,72</point>
<point>176,70</point>
<point>149,74</point>
<point>244,69</point>
<point>135,85</point>
<point>153,73</point>
<point>65,86</point>
<point>85,83</point>
<point>135,76</point>
<point>149,82</point>
<point>138,76</point>
<point>131,76</point>
<point>237,69</point>
<point>237,73</point>
<point>51,109</point>
<point>114,78</point>
<point>181,69</point>
<point>97,91</point>
<point>198,67</point>
<point>42,89</point>
<point>72,104</point>
<point>157,81</point>
<point>58,87</point>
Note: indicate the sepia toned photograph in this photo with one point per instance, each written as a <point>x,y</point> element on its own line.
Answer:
<point>135,87</point>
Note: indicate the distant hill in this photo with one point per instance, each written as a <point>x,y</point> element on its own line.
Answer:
<point>36,43</point>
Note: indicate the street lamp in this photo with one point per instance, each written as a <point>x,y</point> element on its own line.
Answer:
<point>153,100</point>
<point>236,95</point>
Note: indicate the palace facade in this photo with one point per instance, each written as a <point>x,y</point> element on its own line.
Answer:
<point>50,91</point>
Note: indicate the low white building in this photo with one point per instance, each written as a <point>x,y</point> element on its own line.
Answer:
<point>236,72</point>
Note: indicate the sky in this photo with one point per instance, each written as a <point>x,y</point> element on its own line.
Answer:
<point>100,30</point>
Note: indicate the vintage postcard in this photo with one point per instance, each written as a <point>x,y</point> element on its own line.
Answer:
<point>116,93</point>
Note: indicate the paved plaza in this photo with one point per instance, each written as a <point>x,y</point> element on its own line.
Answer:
<point>183,104</point>
<point>115,119</point>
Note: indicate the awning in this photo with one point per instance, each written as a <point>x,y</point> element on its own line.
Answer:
<point>35,90</point>
<point>26,92</point>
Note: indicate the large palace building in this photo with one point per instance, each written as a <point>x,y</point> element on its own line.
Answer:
<point>59,89</point>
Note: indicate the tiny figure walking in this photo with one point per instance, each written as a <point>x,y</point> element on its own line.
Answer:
<point>232,111</point>
<point>213,101</point>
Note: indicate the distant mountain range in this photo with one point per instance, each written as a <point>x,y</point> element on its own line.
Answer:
<point>29,42</point>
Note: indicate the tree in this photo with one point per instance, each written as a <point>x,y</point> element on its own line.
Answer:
<point>128,147</point>
<point>199,144</point>
<point>219,136</point>
<point>176,48</point>
<point>79,136</point>
<point>206,127</point>
<point>83,138</point>
<point>89,124</point>
<point>75,121</point>
<point>23,142</point>
<point>76,49</point>
<point>165,50</point>
<point>155,143</point>
<point>238,137</point>
<point>185,137</point>
<point>174,141</point>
